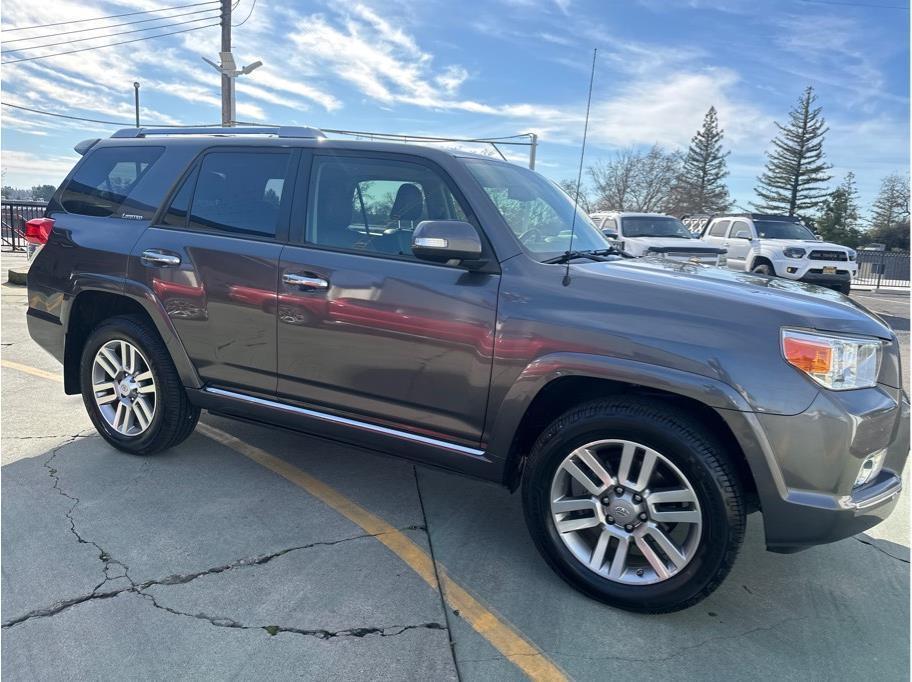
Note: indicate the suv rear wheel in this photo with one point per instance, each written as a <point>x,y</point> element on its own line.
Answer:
<point>632,502</point>
<point>131,389</point>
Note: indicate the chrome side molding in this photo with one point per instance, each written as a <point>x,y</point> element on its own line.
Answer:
<point>344,421</point>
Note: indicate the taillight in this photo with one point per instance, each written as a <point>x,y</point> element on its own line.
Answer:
<point>38,230</point>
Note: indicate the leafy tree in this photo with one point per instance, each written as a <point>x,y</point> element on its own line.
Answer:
<point>796,172</point>
<point>700,188</point>
<point>838,220</point>
<point>43,192</point>
<point>890,213</point>
<point>636,180</point>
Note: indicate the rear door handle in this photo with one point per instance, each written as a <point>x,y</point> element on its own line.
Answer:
<point>159,259</point>
<point>305,282</point>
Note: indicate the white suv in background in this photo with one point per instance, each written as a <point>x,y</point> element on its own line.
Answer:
<point>655,234</point>
<point>779,245</point>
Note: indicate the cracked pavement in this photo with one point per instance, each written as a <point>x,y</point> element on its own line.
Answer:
<point>198,563</point>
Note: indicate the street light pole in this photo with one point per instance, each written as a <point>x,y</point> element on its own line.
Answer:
<point>227,81</point>
<point>136,100</point>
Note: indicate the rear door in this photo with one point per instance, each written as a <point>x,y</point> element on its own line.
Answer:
<point>716,234</point>
<point>739,244</point>
<point>211,261</point>
<point>365,329</point>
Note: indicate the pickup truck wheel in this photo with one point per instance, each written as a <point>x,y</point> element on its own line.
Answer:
<point>764,269</point>
<point>633,502</point>
<point>131,389</point>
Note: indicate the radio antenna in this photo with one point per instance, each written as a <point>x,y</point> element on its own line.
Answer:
<point>579,174</point>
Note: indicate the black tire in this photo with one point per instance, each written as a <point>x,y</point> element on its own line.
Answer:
<point>684,441</point>
<point>764,269</point>
<point>845,288</point>
<point>174,417</point>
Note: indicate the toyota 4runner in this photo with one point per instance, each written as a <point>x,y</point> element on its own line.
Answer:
<point>450,309</point>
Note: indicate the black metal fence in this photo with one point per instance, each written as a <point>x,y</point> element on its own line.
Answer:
<point>883,268</point>
<point>13,216</point>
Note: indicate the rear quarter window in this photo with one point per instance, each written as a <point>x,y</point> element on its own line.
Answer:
<point>105,181</point>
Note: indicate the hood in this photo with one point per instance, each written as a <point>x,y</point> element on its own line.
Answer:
<point>797,303</point>
<point>809,244</point>
<point>695,244</point>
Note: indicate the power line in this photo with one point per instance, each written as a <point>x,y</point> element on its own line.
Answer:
<point>95,120</point>
<point>110,35</point>
<point>249,14</point>
<point>100,28</point>
<point>112,16</point>
<point>99,47</point>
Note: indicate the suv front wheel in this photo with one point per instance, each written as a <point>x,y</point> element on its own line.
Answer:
<point>633,502</point>
<point>131,389</point>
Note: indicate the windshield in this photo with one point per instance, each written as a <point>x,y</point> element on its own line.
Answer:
<point>539,213</point>
<point>779,229</point>
<point>654,226</point>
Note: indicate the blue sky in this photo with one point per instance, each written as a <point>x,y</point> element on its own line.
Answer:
<point>491,67</point>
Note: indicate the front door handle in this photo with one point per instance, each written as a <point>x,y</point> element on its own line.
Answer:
<point>305,282</point>
<point>159,259</point>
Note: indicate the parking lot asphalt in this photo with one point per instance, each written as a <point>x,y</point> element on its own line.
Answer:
<point>251,552</point>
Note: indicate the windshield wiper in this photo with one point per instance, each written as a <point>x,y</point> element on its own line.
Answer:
<point>591,254</point>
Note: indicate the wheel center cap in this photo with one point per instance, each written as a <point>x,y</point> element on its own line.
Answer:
<point>126,387</point>
<point>622,510</point>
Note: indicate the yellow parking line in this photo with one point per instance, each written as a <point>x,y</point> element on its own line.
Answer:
<point>501,635</point>
<point>520,651</point>
<point>34,371</point>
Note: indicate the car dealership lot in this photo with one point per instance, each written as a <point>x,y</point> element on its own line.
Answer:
<point>251,552</point>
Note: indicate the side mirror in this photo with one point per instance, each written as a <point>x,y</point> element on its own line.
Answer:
<point>818,236</point>
<point>441,241</point>
<point>611,234</point>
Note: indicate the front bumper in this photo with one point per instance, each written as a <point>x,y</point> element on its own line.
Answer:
<point>805,465</point>
<point>814,271</point>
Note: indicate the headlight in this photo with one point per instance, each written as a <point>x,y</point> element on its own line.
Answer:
<point>852,255</point>
<point>836,362</point>
<point>794,252</point>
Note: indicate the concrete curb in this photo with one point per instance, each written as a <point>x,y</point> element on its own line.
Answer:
<point>18,276</point>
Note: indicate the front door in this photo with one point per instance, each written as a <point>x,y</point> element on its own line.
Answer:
<point>365,329</point>
<point>212,262</point>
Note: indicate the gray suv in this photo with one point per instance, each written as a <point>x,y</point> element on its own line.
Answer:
<point>428,304</point>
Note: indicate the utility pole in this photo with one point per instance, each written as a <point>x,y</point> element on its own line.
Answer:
<point>227,68</point>
<point>136,100</point>
<point>533,147</point>
<point>227,81</point>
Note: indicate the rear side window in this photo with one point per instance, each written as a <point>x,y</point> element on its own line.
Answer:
<point>239,192</point>
<point>719,228</point>
<point>104,181</point>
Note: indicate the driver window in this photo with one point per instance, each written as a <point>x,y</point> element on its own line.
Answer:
<point>740,230</point>
<point>374,205</point>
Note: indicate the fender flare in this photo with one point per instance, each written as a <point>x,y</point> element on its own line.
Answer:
<point>542,371</point>
<point>148,301</point>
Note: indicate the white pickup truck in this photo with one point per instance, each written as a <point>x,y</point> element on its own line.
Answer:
<point>656,234</point>
<point>778,245</point>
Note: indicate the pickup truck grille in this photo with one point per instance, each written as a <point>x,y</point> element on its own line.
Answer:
<point>828,255</point>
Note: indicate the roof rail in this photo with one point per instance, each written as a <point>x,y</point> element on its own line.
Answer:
<point>278,131</point>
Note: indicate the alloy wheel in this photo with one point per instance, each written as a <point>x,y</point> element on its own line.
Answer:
<point>124,387</point>
<point>625,511</point>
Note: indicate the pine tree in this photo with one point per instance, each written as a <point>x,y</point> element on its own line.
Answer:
<point>700,188</point>
<point>796,172</point>
<point>839,216</point>
<point>890,213</point>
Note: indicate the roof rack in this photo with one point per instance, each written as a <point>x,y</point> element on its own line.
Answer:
<point>278,131</point>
